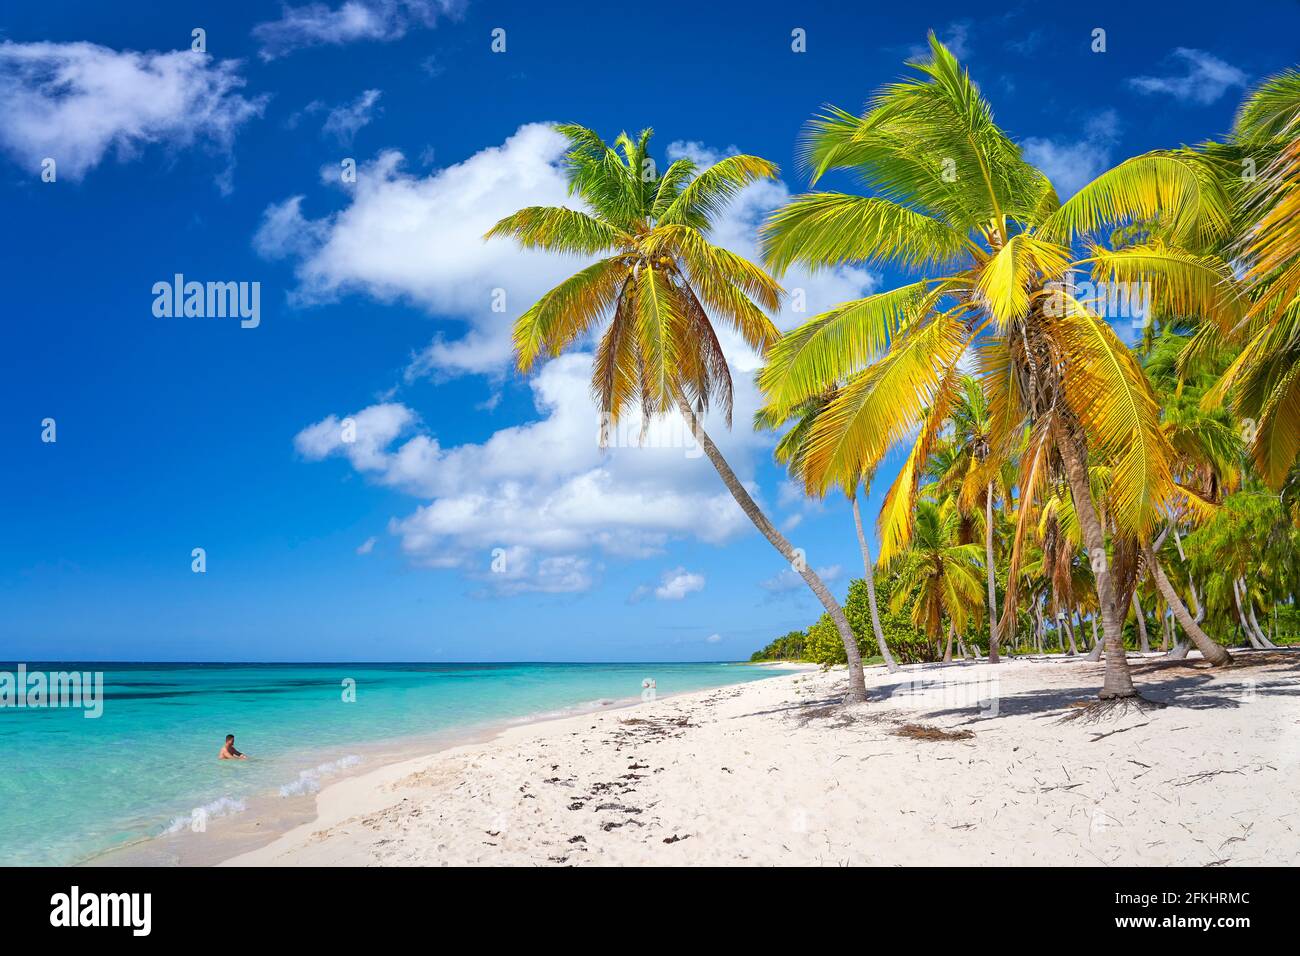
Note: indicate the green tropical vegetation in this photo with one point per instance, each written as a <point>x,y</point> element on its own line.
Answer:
<point>1060,490</point>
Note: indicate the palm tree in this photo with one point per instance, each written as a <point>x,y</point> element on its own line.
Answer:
<point>970,447</point>
<point>789,452</point>
<point>938,574</point>
<point>1058,537</point>
<point>954,197</point>
<point>658,285</point>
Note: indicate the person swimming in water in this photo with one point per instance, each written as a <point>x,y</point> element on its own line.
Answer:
<point>228,751</point>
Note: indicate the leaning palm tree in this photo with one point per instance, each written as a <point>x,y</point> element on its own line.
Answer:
<point>938,574</point>
<point>954,199</point>
<point>657,285</point>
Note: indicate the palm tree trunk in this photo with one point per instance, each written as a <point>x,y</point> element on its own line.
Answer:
<point>1144,644</point>
<point>1211,651</point>
<point>1069,629</point>
<point>1178,651</point>
<point>991,568</point>
<point>1254,621</point>
<point>947,651</point>
<point>1095,654</point>
<point>857,691</point>
<point>1191,579</point>
<point>1237,587</point>
<point>869,575</point>
<point>1118,682</point>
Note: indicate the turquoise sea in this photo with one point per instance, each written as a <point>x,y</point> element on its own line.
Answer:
<point>73,787</point>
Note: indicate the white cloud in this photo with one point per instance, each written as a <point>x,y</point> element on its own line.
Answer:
<point>1204,80</point>
<point>677,583</point>
<point>365,547</point>
<point>419,239</point>
<point>713,639</point>
<point>319,24</point>
<point>284,232</point>
<point>343,122</point>
<point>76,102</point>
<point>790,494</point>
<point>520,570</point>
<point>363,438</point>
<point>543,488</point>
<point>1073,163</point>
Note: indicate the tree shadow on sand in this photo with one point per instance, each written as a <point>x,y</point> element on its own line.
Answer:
<point>1189,684</point>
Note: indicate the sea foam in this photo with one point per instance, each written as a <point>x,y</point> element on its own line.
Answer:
<point>309,781</point>
<point>198,817</point>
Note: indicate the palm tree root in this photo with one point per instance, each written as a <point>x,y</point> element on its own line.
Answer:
<point>1111,708</point>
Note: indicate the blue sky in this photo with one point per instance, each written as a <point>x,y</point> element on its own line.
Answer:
<point>376,306</point>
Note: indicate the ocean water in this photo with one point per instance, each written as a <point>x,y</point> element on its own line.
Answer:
<point>74,787</point>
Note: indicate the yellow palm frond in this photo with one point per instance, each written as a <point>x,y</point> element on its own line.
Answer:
<point>1277,436</point>
<point>1197,507</point>
<point>830,347</point>
<point>1004,281</point>
<point>659,335</point>
<point>895,522</point>
<point>1035,465</point>
<point>997,359</point>
<point>1178,282</point>
<point>704,259</point>
<point>1178,186</point>
<point>882,404</point>
<point>615,376</point>
<point>1274,242</point>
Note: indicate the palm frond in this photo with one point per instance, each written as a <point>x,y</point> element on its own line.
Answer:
<point>1005,280</point>
<point>567,311</point>
<point>700,202</point>
<point>881,405</point>
<point>1179,187</point>
<point>560,229</point>
<point>829,347</point>
<point>897,510</point>
<point>1178,282</point>
<point>826,229</point>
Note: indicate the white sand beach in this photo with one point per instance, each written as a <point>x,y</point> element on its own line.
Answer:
<point>959,764</point>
